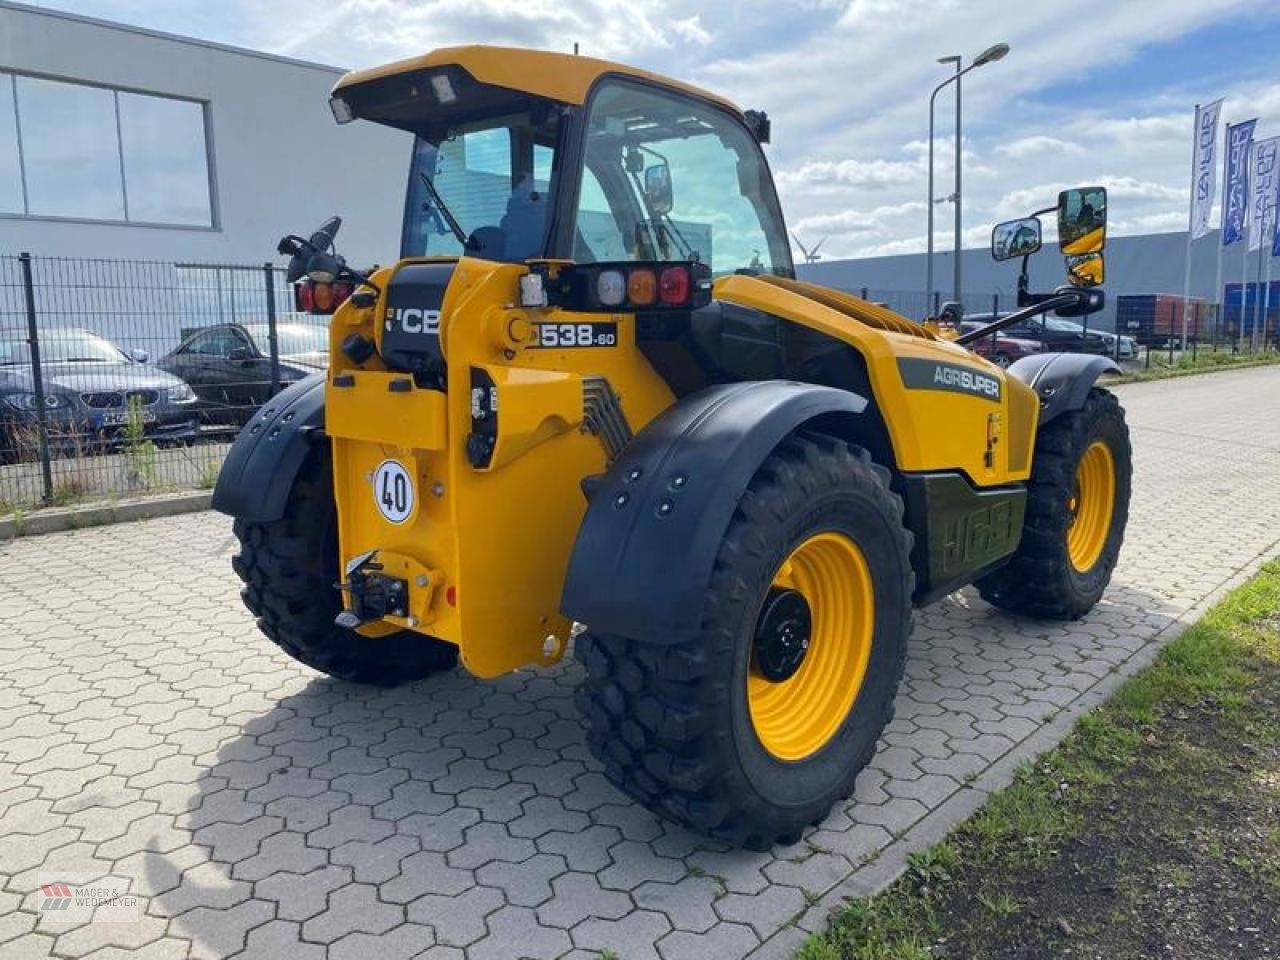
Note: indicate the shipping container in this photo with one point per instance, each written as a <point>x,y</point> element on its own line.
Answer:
<point>1155,318</point>
<point>1257,299</point>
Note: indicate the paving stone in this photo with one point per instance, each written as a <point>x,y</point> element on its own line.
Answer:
<point>634,936</point>
<point>277,940</point>
<point>219,933</point>
<point>634,863</point>
<point>579,896</point>
<point>686,903</point>
<point>426,872</point>
<point>457,920</point>
<point>282,851</point>
<point>203,885</point>
<point>525,884</point>
<point>766,911</point>
<point>404,942</point>
<point>302,896</point>
<point>352,908</point>
<point>725,940</point>
<point>461,819</point>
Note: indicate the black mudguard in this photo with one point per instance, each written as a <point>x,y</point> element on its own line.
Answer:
<point>644,554</point>
<point>1061,380</point>
<point>260,467</point>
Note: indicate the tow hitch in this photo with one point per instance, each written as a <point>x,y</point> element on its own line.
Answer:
<point>373,595</point>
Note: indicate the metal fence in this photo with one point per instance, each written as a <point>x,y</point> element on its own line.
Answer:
<point>123,377</point>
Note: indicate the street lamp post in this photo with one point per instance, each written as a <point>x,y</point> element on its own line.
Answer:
<point>990,55</point>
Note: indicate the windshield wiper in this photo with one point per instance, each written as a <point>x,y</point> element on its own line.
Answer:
<point>443,210</point>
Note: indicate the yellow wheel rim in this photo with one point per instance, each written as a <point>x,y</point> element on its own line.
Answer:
<point>794,718</point>
<point>1090,505</point>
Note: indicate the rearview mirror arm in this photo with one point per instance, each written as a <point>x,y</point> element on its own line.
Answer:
<point>1044,306</point>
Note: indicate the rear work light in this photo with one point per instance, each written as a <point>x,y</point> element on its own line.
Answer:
<point>309,296</point>
<point>627,286</point>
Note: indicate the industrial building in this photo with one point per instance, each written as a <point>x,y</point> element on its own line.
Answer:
<point>1144,264</point>
<point>120,142</point>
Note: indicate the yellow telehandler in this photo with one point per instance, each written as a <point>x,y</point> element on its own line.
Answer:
<point>592,391</point>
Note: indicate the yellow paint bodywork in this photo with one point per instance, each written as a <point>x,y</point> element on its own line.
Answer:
<point>556,76</point>
<point>1091,242</point>
<point>929,429</point>
<point>499,537</point>
<point>485,550</point>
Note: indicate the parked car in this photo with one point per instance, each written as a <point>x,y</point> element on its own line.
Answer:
<point>1002,349</point>
<point>1128,345</point>
<point>1054,333</point>
<point>229,365</point>
<point>90,385</point>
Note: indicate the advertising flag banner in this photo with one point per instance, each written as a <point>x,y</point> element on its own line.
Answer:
<point>1235,188</point>
<point>1264,190</point>
<point>1203,169</point>
<point>1275,220</point>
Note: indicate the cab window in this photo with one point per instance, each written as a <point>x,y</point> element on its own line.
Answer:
<point>713,202</point>
<point>493,177</point>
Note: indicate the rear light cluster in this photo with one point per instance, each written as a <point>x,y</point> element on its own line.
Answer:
<point>310,296</point>
<point>631,286</point>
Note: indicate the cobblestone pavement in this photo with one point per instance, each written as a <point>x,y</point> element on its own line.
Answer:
<point>150,739</point>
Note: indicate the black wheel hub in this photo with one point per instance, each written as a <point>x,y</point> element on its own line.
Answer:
<point>782,634</point>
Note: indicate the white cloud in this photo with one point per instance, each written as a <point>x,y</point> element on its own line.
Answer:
<point>847,84</point>
<point>869,174</point>
<point>1026,147</point>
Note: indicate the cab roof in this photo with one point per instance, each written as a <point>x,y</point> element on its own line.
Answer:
<point>556,76</point>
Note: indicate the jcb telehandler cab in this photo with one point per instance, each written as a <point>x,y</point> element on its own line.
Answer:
<point>592,391</point>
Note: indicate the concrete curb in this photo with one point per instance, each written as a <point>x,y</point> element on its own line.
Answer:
<point>58,519</point>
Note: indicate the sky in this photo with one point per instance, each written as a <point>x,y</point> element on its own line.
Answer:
<point>1090,93</point>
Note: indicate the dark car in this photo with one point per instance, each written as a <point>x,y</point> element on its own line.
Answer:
<point>229,365</point>
<point>1001,348</point>
<point>1054,333</point>
<point>91,390</point>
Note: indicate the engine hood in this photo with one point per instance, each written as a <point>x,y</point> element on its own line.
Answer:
<point>88,377</point>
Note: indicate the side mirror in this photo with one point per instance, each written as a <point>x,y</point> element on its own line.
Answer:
<point>1082,220</point>
<point>1086,270</point>
<point>1087,302</point>
<point>322,239</point>
<point>658,193</point>
<point>239,355</point>
<point>138,355</point>
<point>1015,238</point>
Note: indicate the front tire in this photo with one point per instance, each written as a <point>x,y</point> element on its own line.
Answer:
<point>733,732</point>
<point>289,567</point>
<point>1077,510</point>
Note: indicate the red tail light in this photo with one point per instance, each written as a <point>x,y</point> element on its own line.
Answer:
<point>320,298</point>
<point>628,286</point>
<point>673,287</point>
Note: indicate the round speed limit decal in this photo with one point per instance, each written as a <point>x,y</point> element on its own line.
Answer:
<point>393,491</point>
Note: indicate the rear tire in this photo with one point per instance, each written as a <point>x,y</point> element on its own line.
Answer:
<point>289,567</point>
<point>1056,573</point>
<point>680,727</point>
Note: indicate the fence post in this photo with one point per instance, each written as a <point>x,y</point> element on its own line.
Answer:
<point>269,275</point>
<point>37,379</point>
<point>937,303</point>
